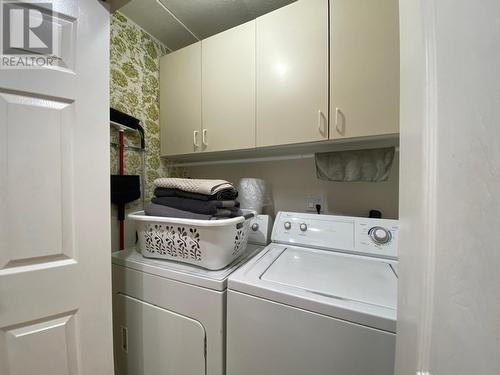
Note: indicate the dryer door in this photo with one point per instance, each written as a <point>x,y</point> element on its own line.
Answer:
<point>150,340</point>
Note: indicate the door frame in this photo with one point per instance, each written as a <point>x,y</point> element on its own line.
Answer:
<point>449,188</point>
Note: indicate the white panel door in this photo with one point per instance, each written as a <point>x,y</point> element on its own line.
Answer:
<point>292,74</point>
<point>152,340</point>
<point>228,76</point>
<point>55,272</point>
<point>364,61</point>
<point>180,101</point>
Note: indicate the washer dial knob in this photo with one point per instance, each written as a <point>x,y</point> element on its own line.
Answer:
<point>255,227</point>
<point>287,225</point>
<point>380,235</point>
<point>303,227</point>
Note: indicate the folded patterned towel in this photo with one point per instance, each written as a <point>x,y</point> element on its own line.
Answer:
<point>152,209</point>
<point>200,186</point>
<point>195,205</point>
<point>225,194</point>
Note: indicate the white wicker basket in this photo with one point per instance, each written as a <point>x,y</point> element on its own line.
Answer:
<point>211,244</point>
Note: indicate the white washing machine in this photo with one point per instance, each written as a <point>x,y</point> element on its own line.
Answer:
<point>169,317</point>
<point>320,299</point>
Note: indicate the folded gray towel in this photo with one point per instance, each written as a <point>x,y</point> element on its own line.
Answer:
<point>225,194</point>
<point>152,209</point>
<point>225,213</point>
<point>195,205</point>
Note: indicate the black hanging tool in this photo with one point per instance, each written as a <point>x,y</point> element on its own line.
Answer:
<point>125,188</point>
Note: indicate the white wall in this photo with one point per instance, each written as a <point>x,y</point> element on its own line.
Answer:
<point>449,286</point>
<point>292,181</point>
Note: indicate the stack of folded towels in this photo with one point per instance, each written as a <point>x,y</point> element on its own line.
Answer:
<point>194,199</point>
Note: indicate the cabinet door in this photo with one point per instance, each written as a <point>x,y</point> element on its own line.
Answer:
<point>364,58</point>
<point>292,74</point>
<point>228,75</point>
<point>180,101</point>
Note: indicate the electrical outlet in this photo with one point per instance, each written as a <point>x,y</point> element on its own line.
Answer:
<point>313,200</point>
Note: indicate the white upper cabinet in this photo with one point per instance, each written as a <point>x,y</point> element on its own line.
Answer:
<point>228,89</point>
<point>364,62</point>
<point>180,101</point>
<point>292,74</point>
<point>310,71</point>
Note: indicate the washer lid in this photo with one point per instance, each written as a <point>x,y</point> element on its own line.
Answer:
<point>334,275</point>
<point>353,288</point>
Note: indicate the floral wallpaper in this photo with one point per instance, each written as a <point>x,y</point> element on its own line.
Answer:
<point>134,89</point>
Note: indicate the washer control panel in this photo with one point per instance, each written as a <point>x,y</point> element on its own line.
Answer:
<point>260,230</point>
<point>380,235</point>
<point>374,237</point>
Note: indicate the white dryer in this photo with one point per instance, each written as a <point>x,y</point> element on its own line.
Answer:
<point>169,317</point>
<point>320,300</point>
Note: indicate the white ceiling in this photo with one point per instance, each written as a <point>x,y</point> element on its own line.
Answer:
<point>178,23</point>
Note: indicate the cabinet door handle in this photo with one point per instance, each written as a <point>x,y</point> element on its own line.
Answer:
<point>195,138</point>
<point>322,123</point>
<point>204,138</point>
<point>339,121</point>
